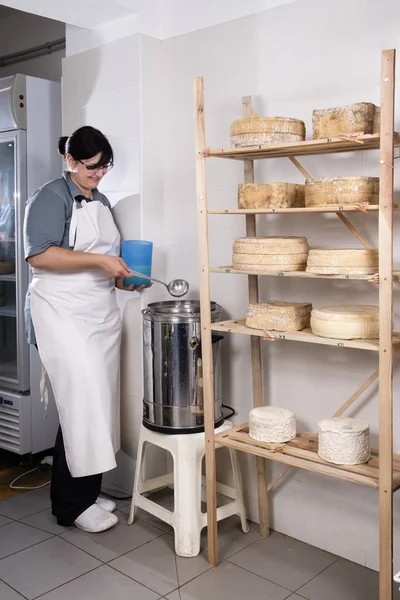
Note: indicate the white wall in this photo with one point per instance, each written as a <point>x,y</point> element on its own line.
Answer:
<point>22,31</point>
<point>290,60</point>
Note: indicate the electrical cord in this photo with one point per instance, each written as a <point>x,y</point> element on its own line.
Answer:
<point>106,493</point>
<point>232,410</point>
<point>34,487</point>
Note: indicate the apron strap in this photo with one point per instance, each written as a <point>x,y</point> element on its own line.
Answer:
<point>44,392</point>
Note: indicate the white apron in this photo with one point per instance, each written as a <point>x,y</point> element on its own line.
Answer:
<point>78,330</point>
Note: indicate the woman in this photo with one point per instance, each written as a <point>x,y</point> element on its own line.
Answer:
<point>73,247</point>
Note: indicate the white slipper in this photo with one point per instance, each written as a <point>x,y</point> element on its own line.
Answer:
<point>105,504</point>
<point>95,519</point>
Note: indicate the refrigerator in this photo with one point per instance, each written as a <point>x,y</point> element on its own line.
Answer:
<point>30,124</point>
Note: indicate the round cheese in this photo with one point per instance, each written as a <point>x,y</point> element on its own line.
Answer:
<point>279,316</point>
<point>270,195</point>
<point>269,259</point>
<point>344,120</point>
<point>277,268</point>
<point>256,131</point>
<point>353,261</point>
<point>346,322</point>
<point>272,424</point>
<point>271,245</point>
<point>326,191</point>
<point>344,441</point>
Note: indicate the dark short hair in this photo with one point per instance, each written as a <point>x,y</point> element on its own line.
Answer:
<point>85,143</point>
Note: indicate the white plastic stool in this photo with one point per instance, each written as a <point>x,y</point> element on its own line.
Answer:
<point>187,519</point>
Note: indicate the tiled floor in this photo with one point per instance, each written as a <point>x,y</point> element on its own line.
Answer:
<point>39,559</point>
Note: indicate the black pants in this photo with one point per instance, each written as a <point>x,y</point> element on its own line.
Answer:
<point>70,496</point>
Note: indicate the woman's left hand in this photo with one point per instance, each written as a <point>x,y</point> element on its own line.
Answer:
<point>119,283</point>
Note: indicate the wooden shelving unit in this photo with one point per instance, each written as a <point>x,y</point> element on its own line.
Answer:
<point>383,470</point>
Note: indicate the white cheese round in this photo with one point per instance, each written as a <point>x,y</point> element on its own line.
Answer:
<point>272,424</point>
<point>344,441</point>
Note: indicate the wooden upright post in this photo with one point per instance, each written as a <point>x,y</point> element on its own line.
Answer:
<point>251,231</point>
<point>205,316</point>
<point>385,327</point>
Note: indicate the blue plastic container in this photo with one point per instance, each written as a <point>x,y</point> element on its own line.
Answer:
<point>138,256</point>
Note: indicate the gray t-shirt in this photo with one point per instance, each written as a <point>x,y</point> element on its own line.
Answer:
<point>47,220</point>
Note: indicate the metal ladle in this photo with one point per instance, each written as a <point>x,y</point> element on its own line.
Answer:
<point>176,287</point>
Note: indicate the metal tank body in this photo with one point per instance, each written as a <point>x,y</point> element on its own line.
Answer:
<point>173,390</point>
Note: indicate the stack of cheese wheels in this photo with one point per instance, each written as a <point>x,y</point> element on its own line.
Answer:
<point>271,195</point>
<point>362,117</point>
<point>270,254</point>
<point>344,441</point>
<point>331,191</point>
<point>259,131</point>
<point>351,261</point>
<point>272,424</point>
<point>279,316</point>
<point>346,322</point>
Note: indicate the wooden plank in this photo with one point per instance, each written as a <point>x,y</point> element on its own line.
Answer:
<point>300,274</point>
<point>300,167</point>
<point>385,327</point>
<point>205,315</point>
<point>353,230</point>
<point>255,342</point>
<point>306,336</point>
<point>308,465</point>
<point>309,147</point>
<point>363,207</point>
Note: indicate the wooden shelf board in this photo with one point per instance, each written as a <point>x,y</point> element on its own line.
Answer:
<point>309,147</point>
<point>301,274</point>
<point>302,453</point>
<point>285,211</point>
<point>305,336</point>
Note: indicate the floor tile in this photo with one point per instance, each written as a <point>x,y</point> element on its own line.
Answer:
<point>6,593</point>
<point>174,596</point>
<point>343,579</point>
<point>102,584</point>
<point>231,538</point>
<point>44,567</point>
<point>229,582</point>
<point>16,536</point>
<point>143,515</point>
<point>119,540</point>
<point>23,505</point>
<point>4,521</point>
<point>46,521</point>
<point>156,566</point>
<point>284,561</point>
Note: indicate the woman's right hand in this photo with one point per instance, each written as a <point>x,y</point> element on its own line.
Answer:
<point>114,266</point>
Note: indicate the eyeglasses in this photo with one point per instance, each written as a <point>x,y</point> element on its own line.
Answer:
<point>94,168</point>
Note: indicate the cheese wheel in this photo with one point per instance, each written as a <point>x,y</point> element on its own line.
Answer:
<point>326,191</point>
<point>279,316</point>
<point>353,118</point>
<point>352,261</point>
<point>346,322</point>
<point>272,424</point>
<point>278,268</point>
<point>269,259</point>
<point>271,245</point>
<point>344,441</point>
<point>257,131</point>
<point>270,195</point>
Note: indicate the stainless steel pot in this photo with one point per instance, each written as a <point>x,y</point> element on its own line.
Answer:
<point>173,392</point>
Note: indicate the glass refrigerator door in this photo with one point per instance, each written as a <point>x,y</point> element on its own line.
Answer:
<point>14,367</point>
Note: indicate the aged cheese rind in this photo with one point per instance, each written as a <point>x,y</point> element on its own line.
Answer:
<point>276,315</point>
<point>345,120</point>
<point>269,259</point>
<point>271,245</point>
<point>343,257</point>
<point>352,261</point>
<point>256,131</point>
<point>346,322</point>
<point>272,424</point>
<point>270,195</point>
<point>269,268</point>
<point>325,191</point>
<point>344,441</point>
